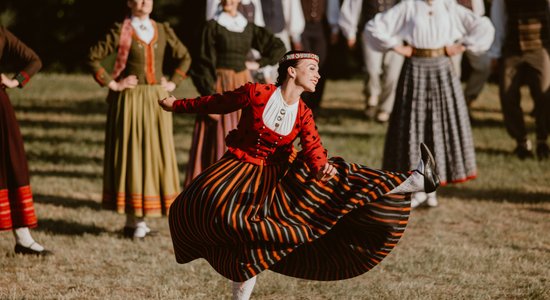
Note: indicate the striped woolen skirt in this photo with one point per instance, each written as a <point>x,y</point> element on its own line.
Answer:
<point>244,218</point>
<point>430,107</point>
<point>16,202</point>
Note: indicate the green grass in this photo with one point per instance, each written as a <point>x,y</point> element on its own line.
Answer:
<point>488,239</point>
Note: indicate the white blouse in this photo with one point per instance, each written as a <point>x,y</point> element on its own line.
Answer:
<point>279,116</point>
<point>143,28</point>
<point>426,26</point>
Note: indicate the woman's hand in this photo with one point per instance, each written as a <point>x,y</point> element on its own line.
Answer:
<point>454,49</point>
<point>167,103</point>
<point>405,50</point>
<point>252,65</point>
<point>168,86</point>
<point>9,83</point>
<point>129,82</point>
<point>326,173</point>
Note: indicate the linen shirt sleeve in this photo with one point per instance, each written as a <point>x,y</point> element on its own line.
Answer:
<point>383,30</point>
<point>479,32</point>
<point>29,58</point>
<point>270,47</point>
<point>314,154</point>
<point>100,51</point>
<point>294,19</point>
<point>498,17</point>
<point>217,103</point>
<point>349,17</point>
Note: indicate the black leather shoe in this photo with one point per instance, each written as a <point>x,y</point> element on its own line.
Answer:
<point>19,249</point>
<point>431,179</point>
<point>543,151</point>
<point>524,150</point>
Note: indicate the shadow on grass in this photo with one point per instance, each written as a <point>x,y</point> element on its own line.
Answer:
<point>62,227</point>
<point>67,202</point>
<point>495,195</point>
<point>94,125</point>
<point>330,115</point>
<point>493,151</point>
<point>86,107</point>
<point>486,123</point>
<point>65,158</point>
<point>67,174</point>
<point>30,137</point>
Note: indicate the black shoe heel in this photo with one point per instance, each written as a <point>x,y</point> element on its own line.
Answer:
<point>431,178</point>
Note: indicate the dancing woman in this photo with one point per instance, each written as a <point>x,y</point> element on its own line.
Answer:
<point>266,206</point>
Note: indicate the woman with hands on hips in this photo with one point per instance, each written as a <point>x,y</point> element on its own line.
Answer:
<point>264,205</point>
<point>140,169</point>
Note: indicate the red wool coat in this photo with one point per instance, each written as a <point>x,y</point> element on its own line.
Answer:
<point>252,141</point>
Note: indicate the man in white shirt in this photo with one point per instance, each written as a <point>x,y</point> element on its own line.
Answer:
<point>382,68</point>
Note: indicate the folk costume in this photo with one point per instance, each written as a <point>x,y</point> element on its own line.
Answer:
<point>140,169</point>
<point>225,43</point>
<point>522,44</point>
<point>382,68</point>
<point>429,105</point>
<point>260,206</point>
<point>16,202</point>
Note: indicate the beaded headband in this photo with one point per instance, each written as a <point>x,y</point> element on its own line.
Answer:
<point>294,56</point>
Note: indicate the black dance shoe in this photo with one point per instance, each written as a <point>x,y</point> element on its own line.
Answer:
<point>431,179</point>
<point>524,150</point>
<point>543,151</point>
<point>19,249</point>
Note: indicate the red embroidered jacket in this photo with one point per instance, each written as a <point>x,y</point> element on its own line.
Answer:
<point>252,141</point>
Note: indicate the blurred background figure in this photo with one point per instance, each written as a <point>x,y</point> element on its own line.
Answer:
<point>223,66</point>
<point>321,16</point>
<point>480,63</point>
<point>140,169</point>
<point>382,68</point>
<point>285,19</point>
<point>429,104</point>
<point>16,201</point>
<point>521,50</point>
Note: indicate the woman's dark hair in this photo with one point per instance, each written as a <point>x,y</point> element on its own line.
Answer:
<point>282,70</point>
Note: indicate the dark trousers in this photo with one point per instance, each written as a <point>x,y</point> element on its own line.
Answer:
<point>532,67</point>
<point>314,40</point>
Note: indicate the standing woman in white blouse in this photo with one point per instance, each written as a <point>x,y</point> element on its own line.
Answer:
<point>429,104</point>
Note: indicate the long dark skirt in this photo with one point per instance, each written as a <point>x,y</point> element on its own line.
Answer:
<point>430,107</point>
<point>16,203</point>
<point>208,143</point>
<point>244,218</point>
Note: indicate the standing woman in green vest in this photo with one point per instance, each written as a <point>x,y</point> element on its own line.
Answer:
<point>223,66</point>
<point>140,169</point>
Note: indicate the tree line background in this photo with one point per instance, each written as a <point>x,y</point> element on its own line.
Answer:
<point>62,31</point>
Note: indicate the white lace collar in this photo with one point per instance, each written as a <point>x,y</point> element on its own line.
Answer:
<point>235,24</point>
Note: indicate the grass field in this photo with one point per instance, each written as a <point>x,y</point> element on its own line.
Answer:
<point>488,239</point>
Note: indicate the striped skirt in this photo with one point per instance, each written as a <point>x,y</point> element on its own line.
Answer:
<point>208,142</point>
<point>430,107</point>
<point>140,169</point>
<point>244,218</point>
<point>16,203</point>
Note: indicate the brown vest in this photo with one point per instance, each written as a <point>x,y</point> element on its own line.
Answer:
<point>528,25</point>
<point>466,3</point>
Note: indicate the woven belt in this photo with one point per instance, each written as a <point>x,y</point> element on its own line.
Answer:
<point>428,52</point>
